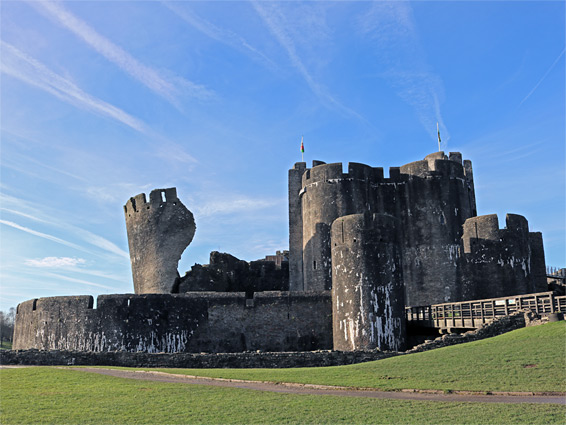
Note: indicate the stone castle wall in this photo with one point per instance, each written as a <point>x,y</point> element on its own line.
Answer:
<point>194,322</point>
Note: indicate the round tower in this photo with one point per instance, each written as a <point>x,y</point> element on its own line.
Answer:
<point>501,262</point>
<point>327,193</point>
<point>368,309</point>
<point>434,198</point>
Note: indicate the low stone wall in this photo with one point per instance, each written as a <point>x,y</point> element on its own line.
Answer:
<point>188,360</point>
<point>497,327</point>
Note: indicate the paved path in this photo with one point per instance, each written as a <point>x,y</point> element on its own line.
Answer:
<point>323,390</point>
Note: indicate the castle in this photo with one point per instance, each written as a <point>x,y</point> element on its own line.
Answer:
<point>362,247</point>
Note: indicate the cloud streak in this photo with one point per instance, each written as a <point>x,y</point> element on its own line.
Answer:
<point>232,206</point>
<point>273,19</point>
<point>55,262</point>
<point>543,77</point>
<point>166,88</point>
<point>35,214</point>
<point>391,26</point>
<point>25,68</point>
<point>221,35</point>
<point>42,235</point>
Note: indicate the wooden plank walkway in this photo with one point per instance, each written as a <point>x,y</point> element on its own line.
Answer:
<point>473,314</point>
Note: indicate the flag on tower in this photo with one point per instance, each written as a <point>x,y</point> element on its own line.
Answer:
<point>438,131</point>
<point>302,145</point>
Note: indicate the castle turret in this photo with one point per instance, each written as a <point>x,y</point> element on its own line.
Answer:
<point>368,301</point>
<point>328,193</point>
<point>158,233</point>
<point>435,198</point>
<point>501,262</point>
<point>296,227</point>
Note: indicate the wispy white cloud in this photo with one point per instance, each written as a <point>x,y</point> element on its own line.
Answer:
<point>42,235</point>
<point>35,214</point>
<point>100,242</point>
<point>233,206</point>
<point>543,77</point>
<point>167,88</point>
<point>75,280</point>
<point>273,17</point>
<point>70,264</point>
<point>55,262</point>
<point>25,68</point>
<point>221,35</point>
<point>392,27</point>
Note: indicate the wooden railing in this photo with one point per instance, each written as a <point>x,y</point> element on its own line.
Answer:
<point>473,314</point>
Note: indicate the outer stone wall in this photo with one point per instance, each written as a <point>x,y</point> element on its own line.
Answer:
<point>192,322</point>
<point>368,308</point>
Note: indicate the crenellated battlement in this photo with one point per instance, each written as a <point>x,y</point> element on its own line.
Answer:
<point>322,172</point>
<point>157,198</point>
<point>437,163</point>
<point>434,164</point>
<point>486,227</point>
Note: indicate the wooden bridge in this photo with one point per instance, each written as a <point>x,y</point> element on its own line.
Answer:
<point>468,315</point>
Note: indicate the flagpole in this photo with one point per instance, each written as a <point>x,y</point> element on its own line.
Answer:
<point>302,150</point>
<point>438,131</point>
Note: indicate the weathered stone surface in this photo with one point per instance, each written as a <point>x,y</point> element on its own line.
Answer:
<point>226,273</point>
<point>190,360</point>
<point>501,262</point>
<point>368,303</point>
<point>245,359</point>
<point>193,322</point>
<point>431,198</point>
<point>158,233</point>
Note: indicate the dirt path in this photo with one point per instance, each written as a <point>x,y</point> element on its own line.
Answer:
<point>323,390</point>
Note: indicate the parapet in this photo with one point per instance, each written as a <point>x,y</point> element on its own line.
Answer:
<point>437,162</point>
<point>334,172</point>
<point>486,227</point>
<point>157,198</point>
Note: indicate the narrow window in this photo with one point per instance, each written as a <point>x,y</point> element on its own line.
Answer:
<point>314,265</point>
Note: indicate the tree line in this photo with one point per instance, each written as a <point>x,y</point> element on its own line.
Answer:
<point>7,325</point>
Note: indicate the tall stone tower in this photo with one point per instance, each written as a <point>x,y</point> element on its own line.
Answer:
<point>158,233</point>
<point>368,302</point>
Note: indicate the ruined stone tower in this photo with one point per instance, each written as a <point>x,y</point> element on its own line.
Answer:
<point>158,233</point>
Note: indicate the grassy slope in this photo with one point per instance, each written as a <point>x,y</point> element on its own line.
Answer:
<point>44,395</point>
<point>528,359</point>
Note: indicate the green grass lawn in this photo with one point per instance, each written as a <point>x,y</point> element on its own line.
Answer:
<point>5,345</point>
<point>528,359</point>
<point>44,395</point>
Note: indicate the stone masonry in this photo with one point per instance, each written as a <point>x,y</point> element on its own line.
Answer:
<point>158,233</point>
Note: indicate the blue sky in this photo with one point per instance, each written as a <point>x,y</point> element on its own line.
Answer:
<point>103,100</point>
